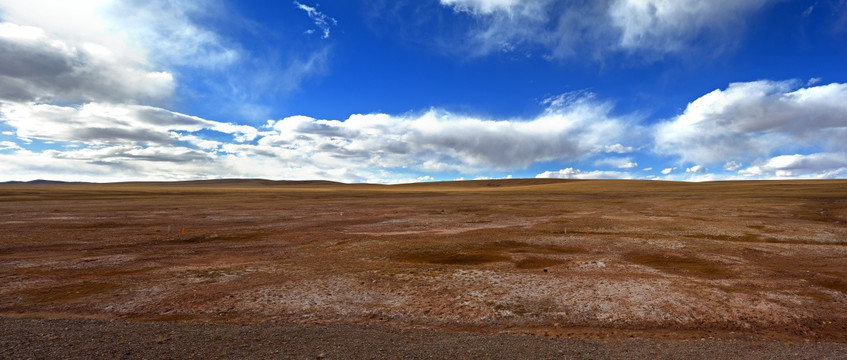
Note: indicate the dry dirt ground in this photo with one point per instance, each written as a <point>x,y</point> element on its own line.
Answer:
<point>559,259</point>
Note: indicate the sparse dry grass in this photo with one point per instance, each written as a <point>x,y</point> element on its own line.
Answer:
<point>451,258</point>
<point>534,262</point>
<point>677,264</point>
<point>66,293</point>
<point>833,283</point>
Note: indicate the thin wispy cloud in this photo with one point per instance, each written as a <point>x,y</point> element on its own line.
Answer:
<point>322,21</point>
<point>598,29</point>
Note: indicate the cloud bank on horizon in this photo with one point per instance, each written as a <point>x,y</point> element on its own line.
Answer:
<point>103,90</point>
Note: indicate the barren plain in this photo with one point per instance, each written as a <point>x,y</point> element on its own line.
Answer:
<point>593,259</point>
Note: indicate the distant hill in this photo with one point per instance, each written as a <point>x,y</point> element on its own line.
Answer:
<point>490,183</point>
<point>435,185</point>
<point>40,182</point>
<point>215,182</point>
<point>278,183</point>
<point>251,182</point>
<point>230,182</point>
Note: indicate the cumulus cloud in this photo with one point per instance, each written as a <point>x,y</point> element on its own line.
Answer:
<point>162,31</point>
<point>571,173</point>
<point>71,79</point>
<point>667,171</point>
<point>132,154</point>
<point>596,28</point>
<point>132,52</point>
<point>620,163</point>
<point>439,139</point>
<point>732,165</point>
<point>8,145</point>
<point>92,78</point>
<point>146,141</point>
<point>101,163</point>
<point>103,123</point>
<point>671,26</point>
<point>697,169</point>
<point>37,66</point>
<point>818,165</point>
<point>751,120</point>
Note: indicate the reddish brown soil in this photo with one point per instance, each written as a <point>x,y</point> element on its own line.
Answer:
<point>559,259</point>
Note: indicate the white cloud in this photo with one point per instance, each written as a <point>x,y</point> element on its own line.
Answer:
<point>673,26</point>
<point>128,162</point>
<point>697,169</point>
<point>809,10</point>
<point>321,20</point>
<point>299,69</point>
<point>756,119</point>
<point>150,142</point>
<point>81,76</point>
<point>667,171</point>
<point>133,154</point>
<point>102,123</point>
<point>571,173</point>
<point>170,35</point>
<point>816,166</point>
<point>560,29</point>
<point>620,163</point>
<point>78,21</point>
<point>647,169</point>
<point>131,52</point>
<point>732,166</point>
<point>8,145</point>
<point>483,6</point>
<point>37,66</point>
<point>616,148</point>
<point>699,177</point>
<point>162,31</point>
<point>438,140</point>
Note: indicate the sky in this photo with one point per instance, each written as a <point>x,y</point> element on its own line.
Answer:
<point>395,91</point>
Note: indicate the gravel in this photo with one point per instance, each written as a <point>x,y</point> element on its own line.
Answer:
<point>119,339</point>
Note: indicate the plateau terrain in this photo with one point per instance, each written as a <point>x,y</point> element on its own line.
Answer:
<point>589,260</point>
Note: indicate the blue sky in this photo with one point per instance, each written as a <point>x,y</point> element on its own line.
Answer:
<point>401,91</point>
